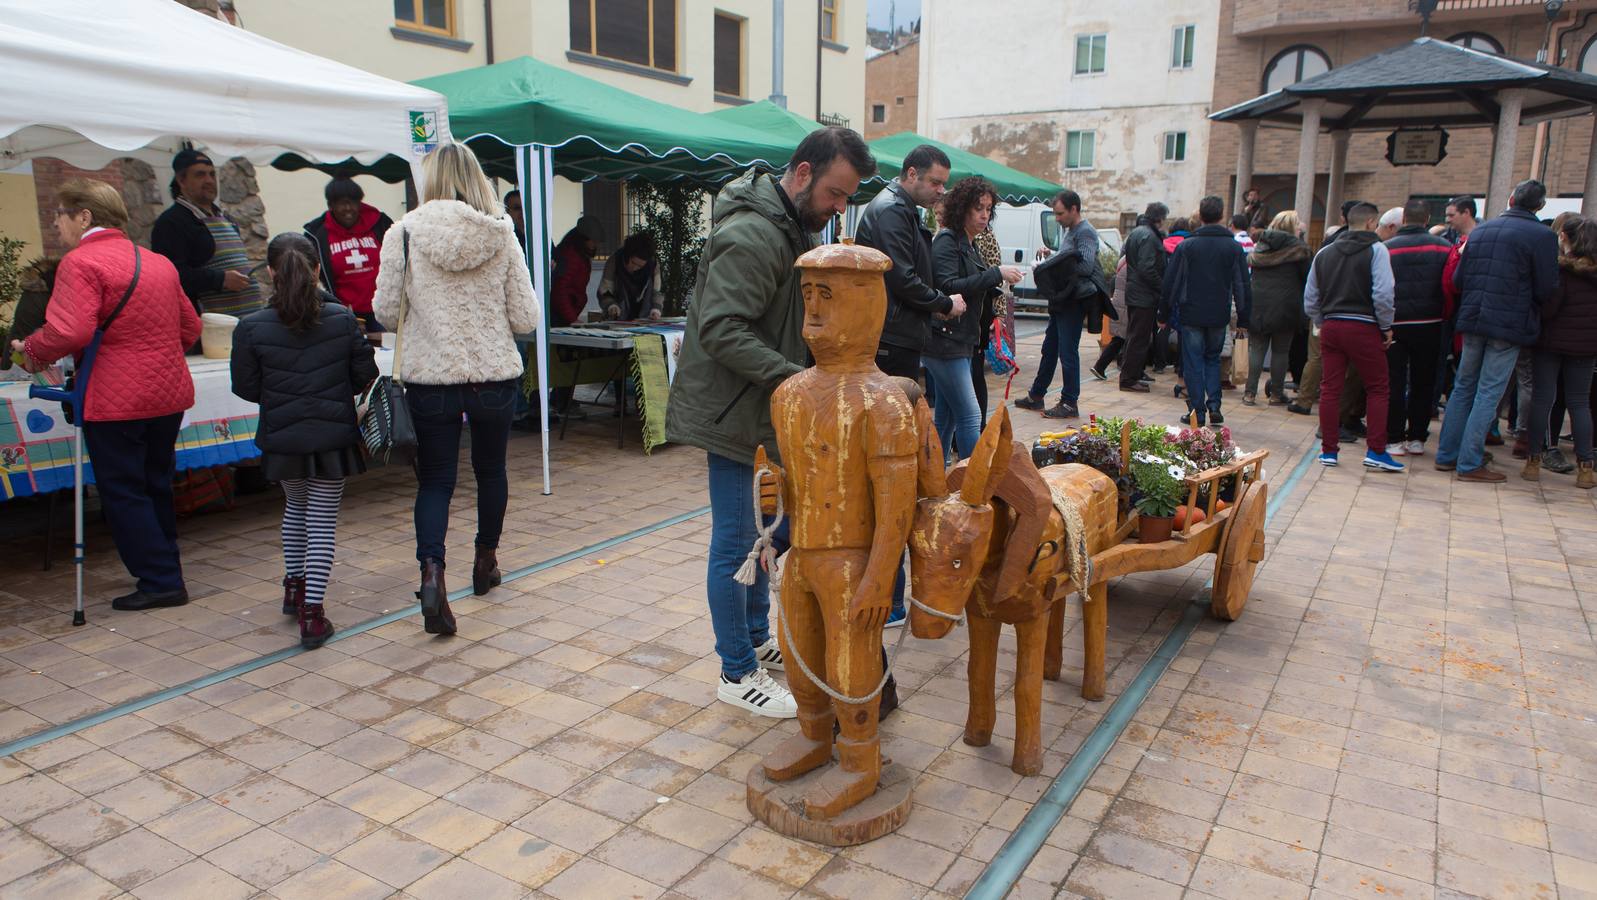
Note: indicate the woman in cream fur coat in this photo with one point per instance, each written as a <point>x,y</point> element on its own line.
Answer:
<point>463,278</point>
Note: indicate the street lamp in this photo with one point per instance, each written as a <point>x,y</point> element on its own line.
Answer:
<point>1425,8</point>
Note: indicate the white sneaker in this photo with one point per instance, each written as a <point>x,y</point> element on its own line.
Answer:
<point>1397,448</point>
<point>760,694</point>
<point>1415,448</point>
<point>769,655</point>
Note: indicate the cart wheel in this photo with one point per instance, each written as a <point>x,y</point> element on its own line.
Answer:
<point>1241,549</point>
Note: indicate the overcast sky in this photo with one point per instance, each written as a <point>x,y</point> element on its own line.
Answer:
<point>877,14</point>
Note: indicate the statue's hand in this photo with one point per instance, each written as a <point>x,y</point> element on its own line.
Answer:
<point>770,482</point>
<point>871,604</point>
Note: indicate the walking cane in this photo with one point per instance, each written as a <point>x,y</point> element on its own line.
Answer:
<point>70,396</point>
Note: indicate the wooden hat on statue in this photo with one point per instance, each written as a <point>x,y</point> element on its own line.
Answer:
<point>845,299</point>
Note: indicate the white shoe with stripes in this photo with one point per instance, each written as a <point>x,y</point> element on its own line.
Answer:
<point>769,655</point>
<point>758,693</point>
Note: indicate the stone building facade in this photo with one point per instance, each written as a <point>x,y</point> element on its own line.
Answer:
<point>1265,44</point>
<point>892,90</point>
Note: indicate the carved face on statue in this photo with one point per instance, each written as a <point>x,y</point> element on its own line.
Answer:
<point>845,303</point>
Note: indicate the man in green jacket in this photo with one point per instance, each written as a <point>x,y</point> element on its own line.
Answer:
<point>744,337</point>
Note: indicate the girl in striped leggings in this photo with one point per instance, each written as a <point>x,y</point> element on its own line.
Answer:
<point>304,359</point>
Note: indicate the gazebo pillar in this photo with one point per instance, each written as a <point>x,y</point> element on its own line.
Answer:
<point>1588,200</point>
<point>1510,103</point>
<point>1337,182</point>
<point>1303,201</point>
<point>1249,138</point>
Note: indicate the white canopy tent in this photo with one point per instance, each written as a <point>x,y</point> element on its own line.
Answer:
<point>94,80</point>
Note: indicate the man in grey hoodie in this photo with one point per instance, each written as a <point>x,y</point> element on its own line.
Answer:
<point>744,337</point>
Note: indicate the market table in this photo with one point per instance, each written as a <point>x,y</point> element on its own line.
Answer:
<point>36,441</point>
<point>610,352</point>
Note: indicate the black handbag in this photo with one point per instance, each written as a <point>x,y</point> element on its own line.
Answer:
<point>386,427</point>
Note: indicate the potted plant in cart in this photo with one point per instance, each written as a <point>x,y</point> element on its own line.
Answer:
<point>1159,482</point>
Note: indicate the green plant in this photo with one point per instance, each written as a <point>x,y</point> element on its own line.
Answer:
<point>1108,261</point>
<point>1160,483</point>
<point>673,214</point>
<point>1150,439</point>
<point>10,279</point>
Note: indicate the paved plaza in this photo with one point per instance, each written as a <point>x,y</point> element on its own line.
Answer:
<point>1404,710</point>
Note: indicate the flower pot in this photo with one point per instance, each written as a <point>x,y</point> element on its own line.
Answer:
<point>1153,529</point>
<point>1228,489</point>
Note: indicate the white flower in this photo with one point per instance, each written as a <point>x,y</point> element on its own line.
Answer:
<point>1177,472</point>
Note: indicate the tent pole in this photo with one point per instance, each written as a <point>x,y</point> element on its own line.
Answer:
<point>534,175</point>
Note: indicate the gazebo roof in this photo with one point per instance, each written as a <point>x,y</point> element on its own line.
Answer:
<point>1421,83</point>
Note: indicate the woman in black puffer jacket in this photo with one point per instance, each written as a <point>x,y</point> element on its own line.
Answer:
<point>1280,262</point>
<point>303,359</point>
<point>1567,352</point>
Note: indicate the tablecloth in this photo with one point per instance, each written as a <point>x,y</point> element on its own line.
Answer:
<point>36,441</point>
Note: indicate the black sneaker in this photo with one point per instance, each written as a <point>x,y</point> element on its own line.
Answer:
<point>1061,410</point>
<point>1145,379</point>
<point>1299,409</point>
<point>1098,374</point>
<point>1215,418</point>
<point>1030,402</point>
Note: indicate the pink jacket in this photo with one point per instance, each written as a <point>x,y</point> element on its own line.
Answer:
<point>140,372</point>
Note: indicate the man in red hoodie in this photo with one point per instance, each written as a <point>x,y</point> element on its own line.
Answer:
<point>350,238</point>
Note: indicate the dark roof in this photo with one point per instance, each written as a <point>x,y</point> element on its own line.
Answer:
<point>1424,82</point>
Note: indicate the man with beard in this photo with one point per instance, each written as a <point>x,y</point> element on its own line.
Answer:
<point>349,237</point>
<point>744,337</point>
<point>203,243</point>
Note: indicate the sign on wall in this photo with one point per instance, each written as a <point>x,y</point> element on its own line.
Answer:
<point>1416,146</point>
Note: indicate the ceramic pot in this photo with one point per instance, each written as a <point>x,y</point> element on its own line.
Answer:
<point>1153,529</point>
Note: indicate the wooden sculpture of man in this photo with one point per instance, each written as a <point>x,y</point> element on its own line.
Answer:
<point>848,438</point>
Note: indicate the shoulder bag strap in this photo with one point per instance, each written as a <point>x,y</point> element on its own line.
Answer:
<point>404,302</point>
<point>138,264</point>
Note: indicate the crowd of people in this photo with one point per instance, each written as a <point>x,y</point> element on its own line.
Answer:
<point>1389,324</point>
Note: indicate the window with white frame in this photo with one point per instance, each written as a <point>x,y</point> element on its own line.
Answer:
<point>1588,57</point>
<point>1175,146</point>
<point>1476,40</point>
<point>1090,52</point>
<point>1182,43</point>
<point>1081,149</point>
<point>1296,63</point>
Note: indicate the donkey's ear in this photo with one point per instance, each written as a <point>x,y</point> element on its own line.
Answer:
<point>931,475</point>
<point>989,461</point>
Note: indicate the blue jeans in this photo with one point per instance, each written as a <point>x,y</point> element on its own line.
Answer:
<point>1061,345</point>
<point>739,614</point>
<point>1483,372</point>
<point>1200,367</point>
<point>956,412</point>
<point>437,410</point>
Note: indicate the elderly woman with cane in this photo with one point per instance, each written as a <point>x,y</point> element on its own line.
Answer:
<point>126,308</point>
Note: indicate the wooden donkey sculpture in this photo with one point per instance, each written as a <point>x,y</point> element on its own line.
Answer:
<point>1021,577</point>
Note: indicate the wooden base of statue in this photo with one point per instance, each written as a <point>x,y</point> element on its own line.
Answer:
<point>780,804</point>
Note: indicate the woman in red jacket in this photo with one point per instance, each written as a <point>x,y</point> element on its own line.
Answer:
<point>139,385</point>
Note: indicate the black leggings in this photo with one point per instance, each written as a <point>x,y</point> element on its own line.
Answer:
<point>1576,373</point>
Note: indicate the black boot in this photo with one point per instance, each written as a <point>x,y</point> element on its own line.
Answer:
<point>484,572</point>
<point>436,616</point>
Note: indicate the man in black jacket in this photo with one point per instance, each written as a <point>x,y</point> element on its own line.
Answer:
<point>1418,258</point>
<point>203,243</point>
<point>349,240</point>
<point>1145,262</point>
<point>892,223</point>
<point>1207,274</point>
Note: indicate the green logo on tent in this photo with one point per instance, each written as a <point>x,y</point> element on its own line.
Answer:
<point>423,130</point>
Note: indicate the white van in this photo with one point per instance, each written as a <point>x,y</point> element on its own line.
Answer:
<point>1022,229</point>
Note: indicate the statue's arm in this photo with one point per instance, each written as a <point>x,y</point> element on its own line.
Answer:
<point>892,481</point>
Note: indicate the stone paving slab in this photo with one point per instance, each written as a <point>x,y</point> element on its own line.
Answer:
<point>567,742</point>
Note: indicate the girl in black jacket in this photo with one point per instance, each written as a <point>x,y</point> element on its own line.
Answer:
<point>304,359</point>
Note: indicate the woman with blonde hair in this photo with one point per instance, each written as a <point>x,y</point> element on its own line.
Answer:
<point>455,285</point>
<point>139,384</point>
<point>1280,262</point>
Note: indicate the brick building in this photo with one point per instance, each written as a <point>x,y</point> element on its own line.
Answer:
<point>1267,44</point>
<point>892,90</point>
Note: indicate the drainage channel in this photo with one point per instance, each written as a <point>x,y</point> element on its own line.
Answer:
<point>222,675</point>
<point>1017,852</point>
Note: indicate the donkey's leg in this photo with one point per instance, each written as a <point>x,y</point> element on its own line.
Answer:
<point>982,669</point>
<point>1031,637</point>
<point>1054,650</point>
<point>1095,634</point>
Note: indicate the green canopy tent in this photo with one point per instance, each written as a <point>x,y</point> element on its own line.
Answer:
<point>529,121</point>
<point>1013,186</point>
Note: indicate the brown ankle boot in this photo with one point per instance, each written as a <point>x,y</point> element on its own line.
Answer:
<point>436,616</point>
<point>1586,478</point>
<point>293,594</point>
<point>1533,468</point>
<point>484,572</point>
<point>314,629</point>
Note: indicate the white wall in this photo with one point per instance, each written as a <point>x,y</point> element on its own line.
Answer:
<point>1017,105</point>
